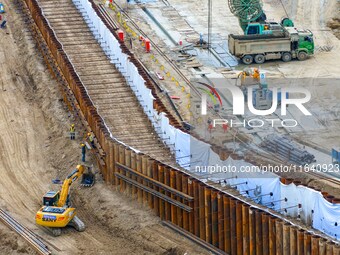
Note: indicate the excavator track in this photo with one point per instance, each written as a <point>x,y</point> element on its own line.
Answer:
<point>77,224</point>
<point>56,231</point>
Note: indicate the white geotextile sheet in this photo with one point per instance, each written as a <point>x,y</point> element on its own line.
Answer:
<point>326,217</point>
<point>264,188</point>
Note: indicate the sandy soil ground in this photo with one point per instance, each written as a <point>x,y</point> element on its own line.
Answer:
<point>13,244</point>
<point>334,24</point>
<point>314,15</point>
<point>34,149</point>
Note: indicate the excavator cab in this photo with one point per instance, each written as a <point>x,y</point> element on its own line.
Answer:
<point>253,29</point>
<point>51,198</point>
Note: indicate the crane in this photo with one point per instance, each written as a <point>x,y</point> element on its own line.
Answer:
<point>251,14</point>
<point>57,212</point>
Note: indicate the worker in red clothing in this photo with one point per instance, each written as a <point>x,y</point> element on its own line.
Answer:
<point>225,127</point>
<point>210,125</point>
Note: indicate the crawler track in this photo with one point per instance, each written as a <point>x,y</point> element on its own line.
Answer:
<point>106,87</point>
<point>29,236</point>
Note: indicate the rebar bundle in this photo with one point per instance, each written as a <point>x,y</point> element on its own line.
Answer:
<point>288,149</point>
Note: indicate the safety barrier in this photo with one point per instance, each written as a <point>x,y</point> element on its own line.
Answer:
<point>223,220</point>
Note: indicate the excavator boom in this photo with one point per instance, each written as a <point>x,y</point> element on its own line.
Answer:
<point>67,183</point>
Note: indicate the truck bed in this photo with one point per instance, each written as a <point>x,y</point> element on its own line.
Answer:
<point>251,45</point>
<point>258,37</point>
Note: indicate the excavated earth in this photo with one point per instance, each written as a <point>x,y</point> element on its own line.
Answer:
<point>34,149</point>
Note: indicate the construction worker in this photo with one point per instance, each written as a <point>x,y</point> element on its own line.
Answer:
<point>256,74</point>
<point>72,132</point>
<point>91,139</point>
<point>83,152</point>
<point>130,40</point>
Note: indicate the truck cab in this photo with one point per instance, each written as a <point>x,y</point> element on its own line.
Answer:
<point>302,42</point>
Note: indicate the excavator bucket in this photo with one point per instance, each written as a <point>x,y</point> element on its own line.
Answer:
<point>88,178</point>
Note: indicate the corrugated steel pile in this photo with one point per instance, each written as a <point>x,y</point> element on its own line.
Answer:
<point>288,149</point>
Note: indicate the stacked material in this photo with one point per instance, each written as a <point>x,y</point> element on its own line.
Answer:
<point>288,149</point>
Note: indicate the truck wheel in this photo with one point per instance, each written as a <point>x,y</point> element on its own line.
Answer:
<point>286,57</point>
<point>302,56</point>
<point>247,59</point>
<point>259,59</point>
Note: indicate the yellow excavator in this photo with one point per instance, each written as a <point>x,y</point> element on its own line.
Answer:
<point>57,211</point>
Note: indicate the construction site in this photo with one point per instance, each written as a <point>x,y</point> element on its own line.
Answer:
<point>170,127</point>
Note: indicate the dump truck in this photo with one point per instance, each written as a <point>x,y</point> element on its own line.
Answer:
<point>288,44</point>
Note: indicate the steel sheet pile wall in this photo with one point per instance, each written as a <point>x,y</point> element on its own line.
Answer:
<point>222,220</point>
<point>191,152</point>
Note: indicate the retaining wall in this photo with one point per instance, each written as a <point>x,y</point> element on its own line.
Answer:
<point>230,224</point>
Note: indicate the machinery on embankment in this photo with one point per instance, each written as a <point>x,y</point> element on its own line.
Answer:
<point>2,8</point>
<point>57,211</point>
<point>263,40</point>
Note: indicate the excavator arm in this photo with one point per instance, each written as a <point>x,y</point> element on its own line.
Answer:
<point>72,177</point>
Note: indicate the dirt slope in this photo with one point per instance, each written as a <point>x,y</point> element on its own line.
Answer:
<point>34,149</point>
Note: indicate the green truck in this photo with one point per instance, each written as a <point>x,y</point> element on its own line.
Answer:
<point>265,41</point>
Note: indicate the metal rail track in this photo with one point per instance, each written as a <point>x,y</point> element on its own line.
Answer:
<point>115,26</point>
<point>158,49</point>
<point>26,233</point>
<point>209,247</point>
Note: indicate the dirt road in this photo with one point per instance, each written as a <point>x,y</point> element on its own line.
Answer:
<point>34,150</point>
<point>313,15</point>
<point>321,69</point>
